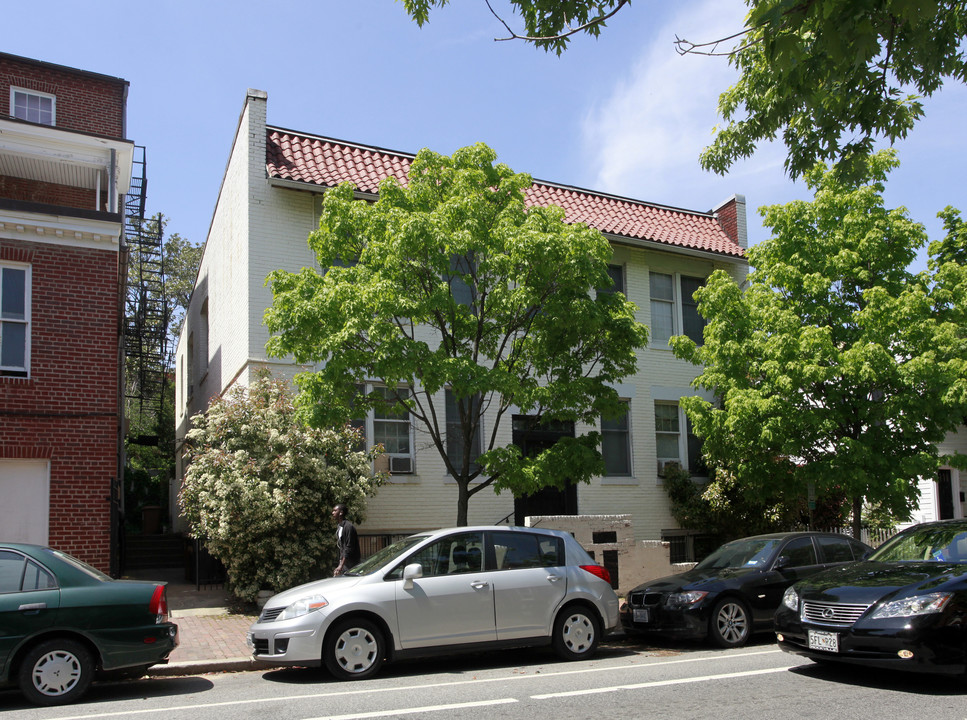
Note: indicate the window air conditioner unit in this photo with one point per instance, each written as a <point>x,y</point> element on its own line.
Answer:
<point>667,466</point>
<point>400,465</point>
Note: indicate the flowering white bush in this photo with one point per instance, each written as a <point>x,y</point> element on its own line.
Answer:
<point>261,486</point>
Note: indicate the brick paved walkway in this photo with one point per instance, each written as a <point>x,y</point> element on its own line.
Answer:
<point>212,637</point>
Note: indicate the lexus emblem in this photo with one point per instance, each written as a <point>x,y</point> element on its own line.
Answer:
<point>828,613</point>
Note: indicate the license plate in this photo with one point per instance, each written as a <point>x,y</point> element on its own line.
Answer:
<point>642,615</point>
<point>825,641</point>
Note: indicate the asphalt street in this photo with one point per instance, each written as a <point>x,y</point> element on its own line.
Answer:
<point>625,680</point>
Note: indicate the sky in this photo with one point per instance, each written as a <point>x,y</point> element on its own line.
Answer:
<point>622,114</point>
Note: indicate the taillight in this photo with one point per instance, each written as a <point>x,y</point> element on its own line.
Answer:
<point>598,571</point>
<point>159,604</point>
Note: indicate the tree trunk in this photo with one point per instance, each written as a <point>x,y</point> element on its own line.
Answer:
<point>463,501</point>
<point>858,517</point>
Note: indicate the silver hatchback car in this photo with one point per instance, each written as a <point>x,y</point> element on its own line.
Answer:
<point>446,591</point>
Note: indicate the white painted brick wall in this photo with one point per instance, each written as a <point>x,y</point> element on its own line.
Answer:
<point>258,228</point>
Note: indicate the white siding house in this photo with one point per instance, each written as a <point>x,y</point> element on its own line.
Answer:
<point>266,208</point>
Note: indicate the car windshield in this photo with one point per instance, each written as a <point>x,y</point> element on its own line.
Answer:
<point>930,544</point>
<point>741,553</point>
<point>381,557</point>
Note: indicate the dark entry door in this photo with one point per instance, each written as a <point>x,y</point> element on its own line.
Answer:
<point>532,439</point>
<point>945,495</point>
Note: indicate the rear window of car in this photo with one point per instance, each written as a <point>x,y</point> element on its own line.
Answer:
<point>514,550</point>
<point>836,549</point>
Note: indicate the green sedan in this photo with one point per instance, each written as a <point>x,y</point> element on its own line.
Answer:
<point>61,621</point>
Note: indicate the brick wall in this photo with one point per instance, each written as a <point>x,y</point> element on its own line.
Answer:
<point>25,190</point>
<point>87,102</point>
<point>67,410</point>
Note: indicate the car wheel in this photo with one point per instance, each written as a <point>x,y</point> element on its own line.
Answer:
<point>576,633</point>
<point>730,624</point>
<point>56,672</point>
<point>353,649</point>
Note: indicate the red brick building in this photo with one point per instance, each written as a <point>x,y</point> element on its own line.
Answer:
<point>65,169</point>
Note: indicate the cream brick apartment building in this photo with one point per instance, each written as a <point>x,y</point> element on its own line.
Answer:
<point>267,206</point>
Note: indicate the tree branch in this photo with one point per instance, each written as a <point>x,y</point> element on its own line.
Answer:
<point>599,20</point>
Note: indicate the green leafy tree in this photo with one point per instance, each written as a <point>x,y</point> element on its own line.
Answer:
<point>548,24</point>
<point>724,509</point>
<point>261,485</point>
<point>832,76</point>
<point>827,76</point>
<point>836,365</point>
<point>450,286</point>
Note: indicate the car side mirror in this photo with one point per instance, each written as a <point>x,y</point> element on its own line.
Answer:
<point>781,562</point>
<point>410,573</point>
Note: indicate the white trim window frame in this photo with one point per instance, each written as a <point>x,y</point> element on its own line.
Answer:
<point>668,432</point>
<point>669,315</point>
<point>394,430</point>
<point>33,106</point>
<point>15,320</point>
<point>616,444</point>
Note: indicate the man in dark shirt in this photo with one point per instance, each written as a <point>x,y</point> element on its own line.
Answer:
<point>346,540</point>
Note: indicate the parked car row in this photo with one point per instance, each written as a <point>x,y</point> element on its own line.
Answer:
<point>827,597</point>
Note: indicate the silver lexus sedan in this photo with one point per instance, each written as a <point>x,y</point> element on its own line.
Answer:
<point>445,591</point>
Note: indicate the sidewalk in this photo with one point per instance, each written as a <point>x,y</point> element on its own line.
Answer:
<point>211,638</point>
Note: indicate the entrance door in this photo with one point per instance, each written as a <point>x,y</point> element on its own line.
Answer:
<point>945,495</point>
<point>532,439</point>
<point>25,510</point>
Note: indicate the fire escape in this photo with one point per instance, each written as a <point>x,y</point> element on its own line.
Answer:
<point>147,352</point>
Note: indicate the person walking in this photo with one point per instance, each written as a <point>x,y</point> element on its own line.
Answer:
<point>347,542</point>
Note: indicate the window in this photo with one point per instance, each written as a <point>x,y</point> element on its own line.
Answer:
<point>693,324</point>
<point>662,307</point>
<point>516,550</point>
<point>203,327</point>
<point>799,552</point>
<point>616,444</point>
<point>387,424</point>
<point>14,321</point>
<point>455,438</point>
<point>836,549</point>
<point>666,318</point>
<point>453,554</point>
<point>33,106</point>
<point>617,275</point>
<point>667,432</point>
<point>671,445</point>
<point>190,366</point>
<point>462,266</point>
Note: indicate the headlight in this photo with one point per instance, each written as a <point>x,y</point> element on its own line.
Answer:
<point>685,599</point>
<point>916,605</point>
<point>790,598</point>
<point>303,607</point>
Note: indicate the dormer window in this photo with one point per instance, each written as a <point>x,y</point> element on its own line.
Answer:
<point>33,106</point>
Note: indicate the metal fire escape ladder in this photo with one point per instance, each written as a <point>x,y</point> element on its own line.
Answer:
<point>147,350</point>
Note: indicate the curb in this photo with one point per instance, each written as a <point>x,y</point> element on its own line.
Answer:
<point>198,667</point>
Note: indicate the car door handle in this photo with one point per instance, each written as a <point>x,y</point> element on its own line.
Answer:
<point>553,578</point>
<point>479,584</point>
<point>33,606</point>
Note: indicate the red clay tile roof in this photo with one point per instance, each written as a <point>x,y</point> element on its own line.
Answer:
<point>326,162</point>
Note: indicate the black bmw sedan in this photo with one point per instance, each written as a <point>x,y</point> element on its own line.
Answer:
<point>734,591</point>
<point>904,608</point>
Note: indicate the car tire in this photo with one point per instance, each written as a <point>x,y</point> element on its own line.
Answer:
<point>56,672</point>
<point>353,649</point>
<point>576,632</point>
<point>730,624</point>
